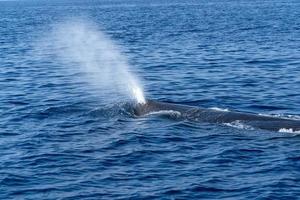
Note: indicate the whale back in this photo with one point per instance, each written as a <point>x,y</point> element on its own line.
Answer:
<point>218,116</point>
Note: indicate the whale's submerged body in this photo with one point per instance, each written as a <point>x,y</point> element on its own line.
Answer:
<point>219,116</point>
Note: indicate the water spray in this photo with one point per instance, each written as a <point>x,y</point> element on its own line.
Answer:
<point>80,43</point>
<point>138,94</point>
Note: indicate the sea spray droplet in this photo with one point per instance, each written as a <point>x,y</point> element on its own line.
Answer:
<point>83,47</point>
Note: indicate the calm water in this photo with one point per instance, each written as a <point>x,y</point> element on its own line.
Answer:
<point>61,139</point>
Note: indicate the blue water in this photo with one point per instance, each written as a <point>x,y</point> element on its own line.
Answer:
<point>60,138</point>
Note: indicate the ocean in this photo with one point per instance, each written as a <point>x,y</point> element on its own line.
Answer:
<point>67,69</point>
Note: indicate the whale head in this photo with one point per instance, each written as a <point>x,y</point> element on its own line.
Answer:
<point>150,106</point>
<point>140,109</point>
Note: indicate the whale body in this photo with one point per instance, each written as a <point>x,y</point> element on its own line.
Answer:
<point>218,116</point>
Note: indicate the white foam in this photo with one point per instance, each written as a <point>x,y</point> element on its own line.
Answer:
<point>220,109</point>
<point>239,125</point>
<point>287,130</point>
<point>281,116</point>
<point>165,112</point>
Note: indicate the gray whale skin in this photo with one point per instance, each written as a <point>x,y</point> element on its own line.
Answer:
<point>218,116</point>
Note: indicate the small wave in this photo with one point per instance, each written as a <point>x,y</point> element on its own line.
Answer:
<point>240,125</point>
<point>111,111</point>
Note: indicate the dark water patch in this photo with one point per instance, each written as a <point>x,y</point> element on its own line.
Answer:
<point>18,103</point>
<point>57,111</point>
<point>14,180</point>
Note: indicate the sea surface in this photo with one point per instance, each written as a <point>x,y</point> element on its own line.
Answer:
<point>62,137</point>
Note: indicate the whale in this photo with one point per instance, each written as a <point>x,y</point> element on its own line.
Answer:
<point>217,116</point>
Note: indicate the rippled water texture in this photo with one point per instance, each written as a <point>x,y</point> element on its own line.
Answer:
<point>65,137</point>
